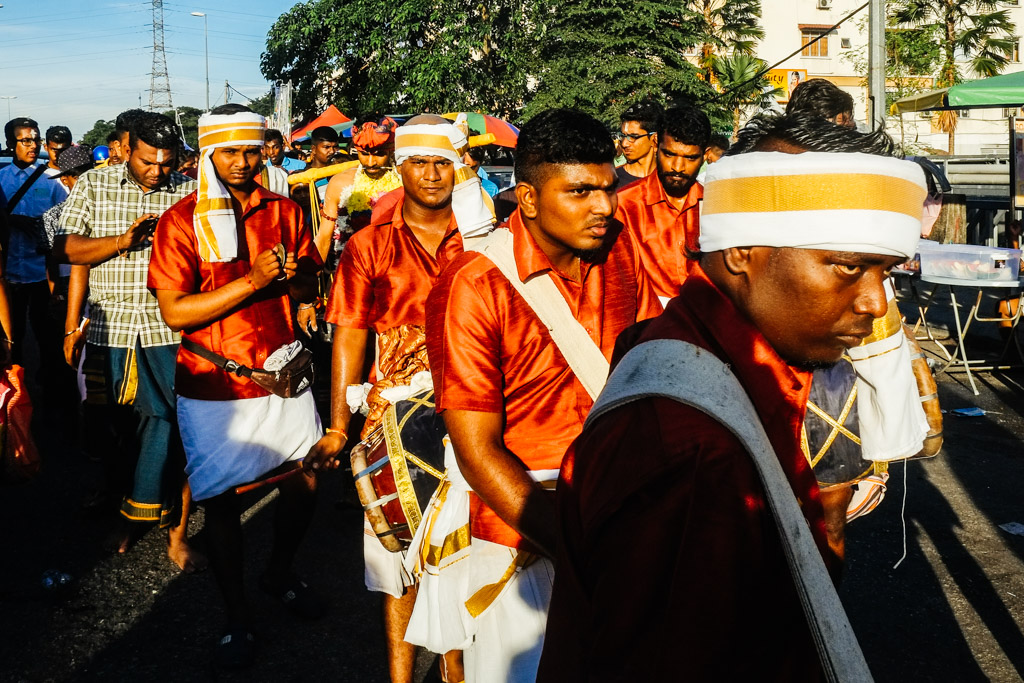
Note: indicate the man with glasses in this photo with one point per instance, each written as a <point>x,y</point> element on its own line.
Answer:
<point>638,138</point>
<point>29,194</point>
<point>662,211</point>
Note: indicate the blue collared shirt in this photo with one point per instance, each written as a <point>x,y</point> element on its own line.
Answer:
<point>290,165</point>
<point>24,262</point>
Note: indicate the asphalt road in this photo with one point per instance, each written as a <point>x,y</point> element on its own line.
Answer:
<point>953,610</point>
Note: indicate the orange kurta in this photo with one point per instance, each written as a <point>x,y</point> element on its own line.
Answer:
<point>662,233</point>
<point>489,352</point>
<point>252,331</point>
<point>385,274</point>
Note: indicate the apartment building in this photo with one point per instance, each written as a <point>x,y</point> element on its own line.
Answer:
<point>840,56</point>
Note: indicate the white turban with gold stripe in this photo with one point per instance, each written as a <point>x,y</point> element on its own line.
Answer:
<point>839,202</point>
<point>214,217</point>
<point>816,200</point>
<point>474,212</point>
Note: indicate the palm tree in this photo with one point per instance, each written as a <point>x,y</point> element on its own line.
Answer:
<point>742,83</point>
<point>725,27</point>
<point>976,30</point>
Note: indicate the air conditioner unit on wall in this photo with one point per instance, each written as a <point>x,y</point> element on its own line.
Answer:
<point>824,4</point>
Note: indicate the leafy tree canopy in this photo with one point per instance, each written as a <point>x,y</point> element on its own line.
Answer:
<point>407,55</point>
<point>98,134</point>
<point>602,55</point>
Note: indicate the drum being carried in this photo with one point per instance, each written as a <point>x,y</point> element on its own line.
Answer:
<point>398,466</point>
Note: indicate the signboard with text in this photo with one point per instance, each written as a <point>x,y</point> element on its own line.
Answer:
<point>784,80</point>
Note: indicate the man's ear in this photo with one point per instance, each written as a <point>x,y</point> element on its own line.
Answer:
<point>526,195</point>
<point>654,140</point>
<point>737,260</point>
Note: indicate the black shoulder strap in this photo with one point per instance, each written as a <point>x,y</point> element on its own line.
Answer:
<point>220,361</point>
<point>29,182</point>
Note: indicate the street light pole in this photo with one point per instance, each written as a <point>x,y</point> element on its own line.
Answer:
<point>876,63</point>
<point>206,41</point>
<point>8,98</point>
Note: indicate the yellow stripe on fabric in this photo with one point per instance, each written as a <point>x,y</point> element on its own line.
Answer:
<point>209,237</point>
<point>242,137</point>
<point>483,598</point>
<point>463,174</point>
<point>822,192</point>
<point>215,127</point>
<point>214,204</point>
<point>889,324</point>
<point>403,482</point>
<point>129,380</point>
<point>453,543</point>
<point>426,140</point>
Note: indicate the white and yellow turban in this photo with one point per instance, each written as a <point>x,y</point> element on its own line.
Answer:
<point>840,202</point>
<point>816,200</point>
<point>214,217</point>
<point>474,212</point>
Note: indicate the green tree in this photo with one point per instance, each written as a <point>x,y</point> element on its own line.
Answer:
<point>600,56</point>
<point>725,27</point>
<point>974,31</point>
<point>911,59</point>
<point>407,55</point>
<point>98,134</point>
<point>742,80</point>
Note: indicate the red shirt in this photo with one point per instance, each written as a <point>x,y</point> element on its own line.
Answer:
<point>263,323</point>
<point>662,233</point>
<point>489,352</point>
<point>670,565</point>
<point>385,274</point>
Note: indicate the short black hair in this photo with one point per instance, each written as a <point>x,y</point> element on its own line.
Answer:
<point>477,154</point>
<point>820,97</point>
<point>719,140</point>
<point>113,136</point>
<point>687,124</point>
<point>324,134</point>
<point>20,122</point>
<point>230,108</point>
<point>812,133</point>
<point>123,122</point>
<point>156,130</point>
<point>60,134</point>
<point>647,114</point>
<point>273,135</point>
<point>560,136</point>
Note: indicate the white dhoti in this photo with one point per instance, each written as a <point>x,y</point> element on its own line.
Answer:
<point>384,571</point>
<point>228,443</point>
<point>510,632</point>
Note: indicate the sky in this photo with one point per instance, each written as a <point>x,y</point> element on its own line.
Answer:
<point>71,62</point>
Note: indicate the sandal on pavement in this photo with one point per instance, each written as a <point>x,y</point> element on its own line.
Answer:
<point>297,596</point>
<point>236,650</point>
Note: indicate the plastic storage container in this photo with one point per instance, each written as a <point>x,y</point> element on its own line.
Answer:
<point>968,262</point>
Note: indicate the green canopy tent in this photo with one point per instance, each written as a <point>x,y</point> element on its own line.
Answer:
<point>998,91</point>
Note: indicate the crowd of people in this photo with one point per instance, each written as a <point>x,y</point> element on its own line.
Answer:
<point>531,383</point>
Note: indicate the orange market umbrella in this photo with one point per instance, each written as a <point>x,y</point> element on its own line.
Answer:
<point>332,116</point>
<point>505,134</point>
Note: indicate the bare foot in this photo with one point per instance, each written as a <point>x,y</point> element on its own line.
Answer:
<point>124,537</point>
<point>187,558</point>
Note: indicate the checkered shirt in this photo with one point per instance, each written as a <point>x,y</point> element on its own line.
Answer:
<point>104,203</point>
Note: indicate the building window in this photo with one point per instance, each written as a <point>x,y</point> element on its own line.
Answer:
<point>817,49</point>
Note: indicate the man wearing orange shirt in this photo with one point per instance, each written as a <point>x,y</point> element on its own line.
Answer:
<point>638,137</point>
<point>510,401</point>
<point>227,263</point>
<point>662,211</point>
<point>384,276</point>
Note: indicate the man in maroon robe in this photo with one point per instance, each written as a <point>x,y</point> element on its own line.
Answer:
<point>670,565</point>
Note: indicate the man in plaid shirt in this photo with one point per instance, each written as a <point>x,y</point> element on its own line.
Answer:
<point>107,224</point>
